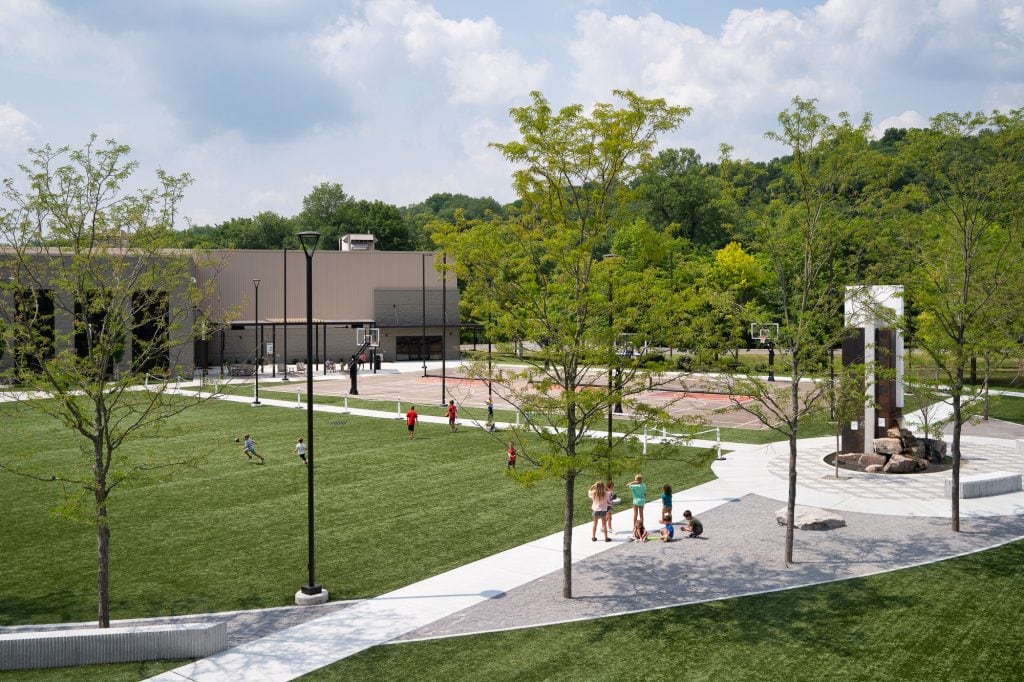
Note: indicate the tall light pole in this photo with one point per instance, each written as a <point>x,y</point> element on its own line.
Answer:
<point>423,333</point>
<point>284,313</point>
<point>311,593</point>
<point>259,342</point>
<point>611,259</point>
<point>444,321</point>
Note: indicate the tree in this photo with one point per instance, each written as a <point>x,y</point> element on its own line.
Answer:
<point>967,239</point>
<point>799,235</point>
<point>679,191</point>
<point>91,302</point>
<point>539,275</point>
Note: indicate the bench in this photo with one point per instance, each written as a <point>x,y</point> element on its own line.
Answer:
<point>58,648</point>
<point>241,370</point>
<point>984,485</point>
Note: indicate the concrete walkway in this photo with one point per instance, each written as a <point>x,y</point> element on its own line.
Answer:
<point>759,470</point>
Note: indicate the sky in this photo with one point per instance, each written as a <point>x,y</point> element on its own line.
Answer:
<point>261,100</point>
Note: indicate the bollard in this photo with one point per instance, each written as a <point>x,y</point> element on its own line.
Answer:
<point>147,380</point>
<point>398,408</point>
<point>177,382</point>
<point>298,400</point>
<point>718,443</point>
<point>645,441</point>
<point>346,405</point>
<point>517,417</point>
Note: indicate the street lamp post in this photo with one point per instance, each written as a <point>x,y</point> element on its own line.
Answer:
<point>423,333</point>
<point>259,342</point>
<point>284,313</point>
<point>310,593</point>
<point>610,258</point>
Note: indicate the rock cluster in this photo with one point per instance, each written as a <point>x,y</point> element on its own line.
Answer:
<point>811,518</point>
<point>900,452</point>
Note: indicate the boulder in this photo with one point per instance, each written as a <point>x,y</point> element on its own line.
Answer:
<point>920,464</point>
<point>934,450</point>
<point>849,458</point>
<point>874,468</point>
<point>888,446</point>
<point>898,464</point>
<point>915,450</point>
<point>894,432</point>
<point>869,458</point>
<point>811,518</point>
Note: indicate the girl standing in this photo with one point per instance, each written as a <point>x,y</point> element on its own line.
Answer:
<point>666,504</point>
<point>598,509</point>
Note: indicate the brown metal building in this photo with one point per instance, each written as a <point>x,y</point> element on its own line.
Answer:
<point>399,292</point>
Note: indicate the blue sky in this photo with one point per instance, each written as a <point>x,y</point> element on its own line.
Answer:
<point>397,99</point>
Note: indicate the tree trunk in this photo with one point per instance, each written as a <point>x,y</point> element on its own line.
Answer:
<point>957,426</point>
<point>794,399</point>
<point>102,559</point>
<point>791,497</point>
<point>570,484</point>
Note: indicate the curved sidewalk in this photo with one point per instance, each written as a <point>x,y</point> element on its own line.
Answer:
<point>746,472</point>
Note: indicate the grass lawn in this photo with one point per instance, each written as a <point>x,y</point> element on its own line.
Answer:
<point>232,534</point>
<point>954,620</point>
<point>1008,409</point>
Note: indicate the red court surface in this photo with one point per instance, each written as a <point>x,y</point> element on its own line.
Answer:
<point>715,408</point>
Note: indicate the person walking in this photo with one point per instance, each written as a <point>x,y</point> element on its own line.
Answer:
<point>452,411</point>
<point>598,509</point>
<point>411,419</point>
<point>490,410</point>
<point>249,448</point>
<point>300,450</point>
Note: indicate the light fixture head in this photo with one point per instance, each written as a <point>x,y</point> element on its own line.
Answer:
<point>309,241</point>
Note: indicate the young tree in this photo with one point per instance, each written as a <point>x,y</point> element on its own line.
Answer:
<point>967,239</point>
<point>539,275</point>
<point>91,303</point>
<point>800,235</point>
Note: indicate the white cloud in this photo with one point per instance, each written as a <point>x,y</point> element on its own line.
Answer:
<point>17,131</point>
<point>907,119</point>
<point>841,52</point>
<point>466,55</point>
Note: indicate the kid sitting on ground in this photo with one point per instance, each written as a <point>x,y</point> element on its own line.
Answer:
<point>693,525</point>
<point>668,533</point>
<point>639,532</point>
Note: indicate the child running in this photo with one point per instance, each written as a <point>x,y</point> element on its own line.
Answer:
<point>300,450</point>
<point>411,418</point>
<point>250,449</point>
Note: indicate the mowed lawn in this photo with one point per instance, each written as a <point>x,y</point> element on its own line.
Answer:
<point>232,534</point>
<point>954,620</point>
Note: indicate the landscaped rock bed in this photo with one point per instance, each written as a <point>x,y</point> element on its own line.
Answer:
<point>901,452</point>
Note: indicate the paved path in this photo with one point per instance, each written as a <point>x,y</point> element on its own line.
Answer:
<point>751,478</point>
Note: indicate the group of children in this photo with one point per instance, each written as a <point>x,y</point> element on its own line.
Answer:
<point>602,498</point>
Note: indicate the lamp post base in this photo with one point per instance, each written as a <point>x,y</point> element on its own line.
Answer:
<point>256,404</point>
<point>303,598</point>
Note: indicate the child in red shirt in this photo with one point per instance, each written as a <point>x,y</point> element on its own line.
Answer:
<point>511,464</point>
<point>452,411</point>
<point>410,419</point>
